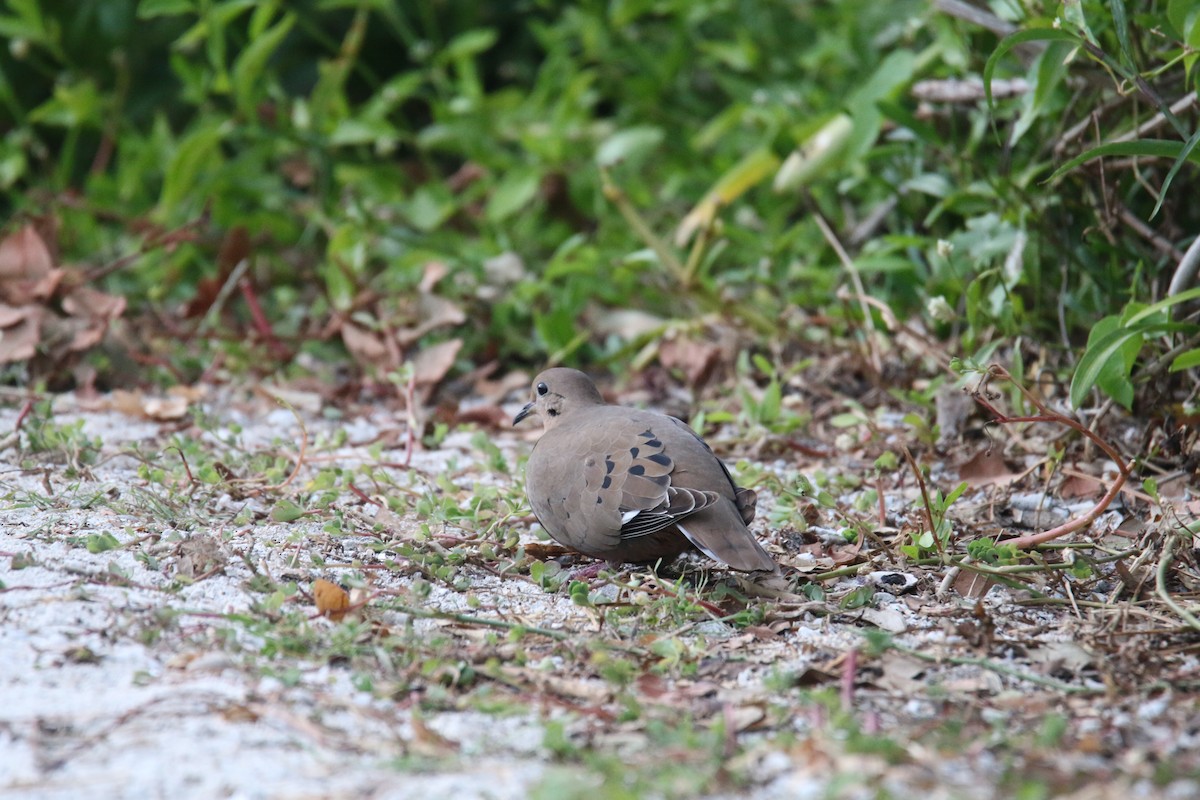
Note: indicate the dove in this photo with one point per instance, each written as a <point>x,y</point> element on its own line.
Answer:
<point>630,485</point>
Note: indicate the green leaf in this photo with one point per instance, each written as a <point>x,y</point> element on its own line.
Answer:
<point>628,145</point>
<point>954,495</point>
<point>148,9</point>
<point>1048,74</point>
<point>1012,40</point>
<point>816,155</point>
<point>763,364</point>
<point>1186,360</point>
<point>1097,354</point>
<point>1113,378</point>
<point>101,542</point>
<point>1121,26</point>
<point>1183,16</point>
<point>286,511</point>
<point>198,152</point>
<point>429,207</point>
<point>469,43</point>
<point>1150,148</point>
<point>772,401</point>
<point>1180,160</point>
<point>249,67</point>
<point>357,131</point>
<point>512,193</point>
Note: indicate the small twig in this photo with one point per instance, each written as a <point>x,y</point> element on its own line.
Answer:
<point>261,324</point>
<point>1160,583</point>
<point>849,674</point>
<point>874,353</point>
<point>1079,523</point>
<point>928,507</point>
<point>160,239</point>
<point>882,501</point>
<point>303,443</point>
<point>485,622</point>
<point>951,576</point>
<point>223,294</point>
<point>186,468</point>
<point>1149,234</point>
<point>618,198</point>
<point>410,403</point>
<point>21,417</point>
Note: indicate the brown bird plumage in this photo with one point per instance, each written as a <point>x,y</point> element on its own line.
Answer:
<point>624,484</point>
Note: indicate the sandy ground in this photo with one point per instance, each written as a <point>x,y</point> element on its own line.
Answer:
<point>121,681</point>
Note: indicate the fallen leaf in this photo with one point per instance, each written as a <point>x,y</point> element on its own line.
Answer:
<point>309,402</point>
<point>135,404</point>
<point>432,312</point>
<point>331,600</point>
<point>972,584</point>
<point>429,742</point>
<point>985,468</point>
<point>364,346</point>
<point>24,256</point>
<point>164,409</point>
<point>543,552</point>
<point>1077,485</point>
<point>432,363</point>
<point>19,340</point>
<point>200,554</point>
<point>434,271</point>
<point>887,619</point>
<point>696,360</point>
<point>46,313</point>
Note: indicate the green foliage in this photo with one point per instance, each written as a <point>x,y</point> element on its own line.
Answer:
<point>1116,342</point>
<point>668,157</point>
<point>986,551</point>
<point>63,442</point>
<point>928,542</point>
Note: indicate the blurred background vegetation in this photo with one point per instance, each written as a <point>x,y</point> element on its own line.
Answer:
<point>378,177</point>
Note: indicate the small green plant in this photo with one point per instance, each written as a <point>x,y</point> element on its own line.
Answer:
<point>987,551</point>
<point>547,574</point>
<point>66,442</point>
<point>1116,342</point>
<point>927,542</point>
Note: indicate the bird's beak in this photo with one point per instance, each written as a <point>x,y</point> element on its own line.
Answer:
<point>523,413</point>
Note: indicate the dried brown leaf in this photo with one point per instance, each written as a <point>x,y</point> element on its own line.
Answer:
<point>432,363</point>
<point>24,256</point>
<point>985,468</point>
<point>330,599</point>
<point>364,346</point>
<point>19,340</point>
<point>1077,485</point>
<point>432,312</point>
<point>434,272</point>
<point>696,360</point>
<point>972,584</point>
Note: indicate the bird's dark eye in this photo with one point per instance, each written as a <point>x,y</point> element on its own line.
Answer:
<point>542,388</point>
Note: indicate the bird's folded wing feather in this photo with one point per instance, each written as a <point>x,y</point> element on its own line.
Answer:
<point>635,475</point>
